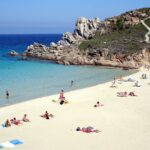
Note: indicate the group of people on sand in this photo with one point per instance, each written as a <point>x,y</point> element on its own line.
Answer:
<point>48,115</point>
<point>14,121</point>
<point>136,82</point>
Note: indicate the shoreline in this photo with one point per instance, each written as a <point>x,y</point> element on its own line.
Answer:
<point>123,121</point>
<point>71,90</point>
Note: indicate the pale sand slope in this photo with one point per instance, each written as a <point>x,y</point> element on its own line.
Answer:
<point>124,122</point>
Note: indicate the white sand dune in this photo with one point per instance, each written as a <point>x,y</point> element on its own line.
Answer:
<point>124,122</point>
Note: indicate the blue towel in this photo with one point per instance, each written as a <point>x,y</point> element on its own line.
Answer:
<point>16,142</point>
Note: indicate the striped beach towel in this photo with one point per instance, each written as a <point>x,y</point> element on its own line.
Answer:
<point>10,144</point>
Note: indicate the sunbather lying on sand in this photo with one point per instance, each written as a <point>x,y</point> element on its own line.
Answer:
<point>98,104</point>
<point>132,94</point>
<point>122,94</point>
<point>87,129</point>
<point>15,121</point>
<point>7,123</point>
<point>25,119</point>
<point>47,115</point>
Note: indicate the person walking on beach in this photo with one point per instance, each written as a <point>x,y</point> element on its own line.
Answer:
<point>113,83</point>
<point>7,94</point>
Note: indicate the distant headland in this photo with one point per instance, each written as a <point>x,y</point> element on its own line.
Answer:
<point>120,41</point>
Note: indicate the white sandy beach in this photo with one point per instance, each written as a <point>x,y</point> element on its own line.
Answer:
<point>124,122</point>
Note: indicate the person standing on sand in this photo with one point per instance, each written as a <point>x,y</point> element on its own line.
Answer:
<point>7,94</point>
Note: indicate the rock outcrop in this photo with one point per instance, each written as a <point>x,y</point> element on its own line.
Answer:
<point>67,51</point>
<point>13,53</point>
<point>85,28</point>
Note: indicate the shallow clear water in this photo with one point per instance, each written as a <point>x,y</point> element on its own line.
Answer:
<point>31,79</point>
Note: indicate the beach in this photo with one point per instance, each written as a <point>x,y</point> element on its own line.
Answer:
<point>124,122</point>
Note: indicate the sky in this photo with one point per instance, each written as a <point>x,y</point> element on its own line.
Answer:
<point>57,16</point>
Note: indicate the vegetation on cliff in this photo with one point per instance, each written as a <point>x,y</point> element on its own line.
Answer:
<point>147,21</point>
<point>128,41</point>
<point>121,38</point>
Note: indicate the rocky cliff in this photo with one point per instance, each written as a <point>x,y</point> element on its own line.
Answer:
<point>118,41</point>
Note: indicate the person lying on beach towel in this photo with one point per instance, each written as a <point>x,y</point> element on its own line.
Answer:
<point>25,119</point>
<point>132,94</point>
<point>122,94</point>
<point>87,129</point>
<point>98,104</point>
<point>47,115</point>
<point>7,123</point>
<point>15,121</point>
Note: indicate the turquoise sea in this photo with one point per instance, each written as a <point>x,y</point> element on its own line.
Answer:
<point>32,78</point>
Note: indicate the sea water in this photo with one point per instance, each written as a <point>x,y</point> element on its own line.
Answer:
<point>32,78</point>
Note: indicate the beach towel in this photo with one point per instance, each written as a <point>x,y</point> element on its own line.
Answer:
<point>10,144</point>
<point>15,142</point>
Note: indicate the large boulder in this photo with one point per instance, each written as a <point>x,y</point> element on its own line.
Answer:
<point>69,37</point>
<point>86,27</point>
<point>53,45</point>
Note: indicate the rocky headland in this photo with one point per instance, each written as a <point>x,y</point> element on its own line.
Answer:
<point>120,41</point>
